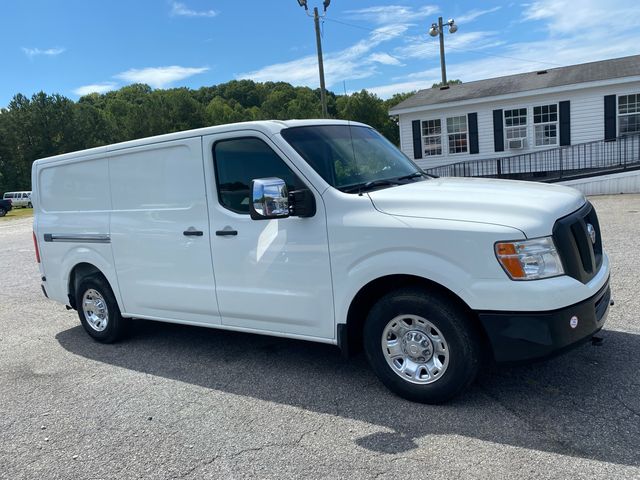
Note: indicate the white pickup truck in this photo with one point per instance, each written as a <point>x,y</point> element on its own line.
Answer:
<point>322,231</point>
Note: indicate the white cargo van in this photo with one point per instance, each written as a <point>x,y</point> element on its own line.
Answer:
<point>19,199</point>
<point>322,231</point>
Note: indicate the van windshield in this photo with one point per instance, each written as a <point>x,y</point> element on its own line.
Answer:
<point>352,158</point>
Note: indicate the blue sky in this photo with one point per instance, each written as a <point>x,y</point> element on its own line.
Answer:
<point>73,47</point>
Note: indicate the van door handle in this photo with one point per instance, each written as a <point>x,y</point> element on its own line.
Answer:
<point>192,232</point>
<point>226,233</point>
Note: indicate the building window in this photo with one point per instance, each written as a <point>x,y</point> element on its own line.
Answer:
<point>629,113</point>
<point>432,137</point>
<point>545,121</point>
<point>457,134</point>
<point>515,123</point>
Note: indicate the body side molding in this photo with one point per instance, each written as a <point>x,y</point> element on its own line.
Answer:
<point>77,238</point>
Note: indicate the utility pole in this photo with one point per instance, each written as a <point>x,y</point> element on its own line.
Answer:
<point>438,29</point>
<point>316,21</point>
<point>443,67</point>
<point>323,94</point>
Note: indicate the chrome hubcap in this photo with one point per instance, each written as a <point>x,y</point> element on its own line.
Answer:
<point>415,349</point>
<point>417,345</point>
<point>95,310</point>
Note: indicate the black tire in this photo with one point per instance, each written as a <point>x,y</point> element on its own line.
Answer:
<point>29,205</point>
<point>3,212</point>
<point>462,342</point>
<point>116,326</point>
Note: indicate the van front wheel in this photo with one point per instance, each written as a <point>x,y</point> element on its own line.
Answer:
<point>98,310</point>
<point>421,346</point>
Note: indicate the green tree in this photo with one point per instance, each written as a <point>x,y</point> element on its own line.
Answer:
<point>449,82</point>
<point>392,129</point>
<point>46,125</point>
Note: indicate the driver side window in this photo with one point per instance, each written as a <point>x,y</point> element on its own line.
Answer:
<point>237,161</point>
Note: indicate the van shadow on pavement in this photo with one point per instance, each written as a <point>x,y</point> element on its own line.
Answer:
<point>584,404</point>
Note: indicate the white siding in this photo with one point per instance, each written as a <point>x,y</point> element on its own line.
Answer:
<point>626,182</point>
<point>587,121</point>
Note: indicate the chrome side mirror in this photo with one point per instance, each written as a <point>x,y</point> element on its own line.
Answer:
<point>269,199</point>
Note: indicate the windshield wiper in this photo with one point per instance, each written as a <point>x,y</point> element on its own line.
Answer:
<point>361,187</point>
<point>416,174</point>
<point>411,175</point>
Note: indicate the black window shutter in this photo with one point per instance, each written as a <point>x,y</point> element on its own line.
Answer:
<point>417,139</point>
<point>473,133</point>
<point>498,131</point>
<point>609,117</point>
<point>565,123</point>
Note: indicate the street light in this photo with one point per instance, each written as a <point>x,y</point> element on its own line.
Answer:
<point>316,20</point>
<point>437,29</point>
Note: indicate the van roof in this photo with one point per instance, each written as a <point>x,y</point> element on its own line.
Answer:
<point>268,127</point>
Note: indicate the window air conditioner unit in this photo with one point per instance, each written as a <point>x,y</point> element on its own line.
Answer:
<point>517,143</point>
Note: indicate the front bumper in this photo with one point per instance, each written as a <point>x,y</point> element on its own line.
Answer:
<point>518,336</point>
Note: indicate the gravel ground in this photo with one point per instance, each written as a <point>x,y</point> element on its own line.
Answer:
<point>184,402</point>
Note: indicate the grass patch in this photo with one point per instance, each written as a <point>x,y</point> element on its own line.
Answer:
<point>17,213</point>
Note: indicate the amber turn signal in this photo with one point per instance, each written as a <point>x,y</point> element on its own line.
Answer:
<point>508,258</point>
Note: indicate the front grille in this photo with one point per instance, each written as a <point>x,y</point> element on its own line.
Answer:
<point>581,257</point>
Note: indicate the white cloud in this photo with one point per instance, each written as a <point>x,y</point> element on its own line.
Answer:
<point>516,58</point>
<point>424,46</point>
<point>159,77</point>
<point>473,14</point>
<point>352,63</point>
<point>385,14</point>
<point>304,71</point>
<point>566,17</point>
<point>595,30</point>
<point>387,91</point>
<point>179,9</point>
<point>50,52</point>
<point>94,88</point>
<point>384,59</point>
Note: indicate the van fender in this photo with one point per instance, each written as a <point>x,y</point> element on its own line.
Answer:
<point>92,256</point>
<point>399,262</point>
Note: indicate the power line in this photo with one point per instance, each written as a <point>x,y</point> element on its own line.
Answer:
<point>478,52</point>
<point>360,27</point>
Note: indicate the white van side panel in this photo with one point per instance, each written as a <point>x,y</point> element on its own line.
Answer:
<point>78,186</point>
<point>74,202</point>
<point>158,192</point>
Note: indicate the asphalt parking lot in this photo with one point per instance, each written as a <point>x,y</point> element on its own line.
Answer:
<point>183,402</point>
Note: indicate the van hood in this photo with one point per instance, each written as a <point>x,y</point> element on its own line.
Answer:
<point>529,207</point>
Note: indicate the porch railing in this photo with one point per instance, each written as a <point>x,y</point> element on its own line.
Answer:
<point>553,165</point>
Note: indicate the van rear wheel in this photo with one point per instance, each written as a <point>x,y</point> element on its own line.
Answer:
<point>98,310</point>
<point>421,346</point>
<point>3,212</point>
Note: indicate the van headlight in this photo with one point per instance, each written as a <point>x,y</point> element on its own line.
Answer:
<point>529,259</point>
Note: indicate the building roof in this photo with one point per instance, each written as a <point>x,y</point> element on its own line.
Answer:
<point>522,82</point>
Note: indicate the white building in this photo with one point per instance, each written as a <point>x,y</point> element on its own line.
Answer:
<point>523,113</point>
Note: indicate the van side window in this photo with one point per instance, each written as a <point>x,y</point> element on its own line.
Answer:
<point>238,161</point>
